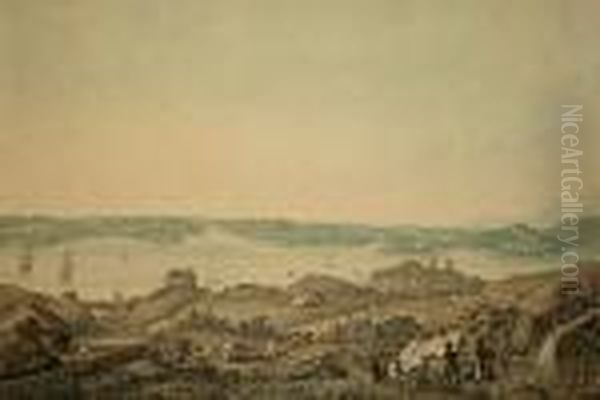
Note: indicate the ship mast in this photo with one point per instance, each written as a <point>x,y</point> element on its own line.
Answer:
<point>67,270</point>
<point>26,262</point>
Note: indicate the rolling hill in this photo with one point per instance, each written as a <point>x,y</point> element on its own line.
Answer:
<point>517,239</point>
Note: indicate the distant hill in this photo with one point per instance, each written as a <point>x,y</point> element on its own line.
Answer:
<point>50,231</point>
<point>513,240</point>
<point>590,233</point>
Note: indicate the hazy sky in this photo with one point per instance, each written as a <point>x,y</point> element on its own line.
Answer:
<point>379,111</point>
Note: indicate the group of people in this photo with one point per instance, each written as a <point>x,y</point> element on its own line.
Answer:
<point>453,364</point>
<point>481,364</point>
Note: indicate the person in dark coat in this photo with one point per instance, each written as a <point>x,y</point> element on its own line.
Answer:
<point>451,368</point>
<point>486,360</point>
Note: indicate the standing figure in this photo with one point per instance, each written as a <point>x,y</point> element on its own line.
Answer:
<point>486,359</point>
<point>451,367</point>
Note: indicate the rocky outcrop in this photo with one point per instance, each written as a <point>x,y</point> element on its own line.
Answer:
<point>413,279</point>
<point>315,290</point>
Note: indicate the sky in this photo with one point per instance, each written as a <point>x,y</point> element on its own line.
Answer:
<point>378,111</point>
